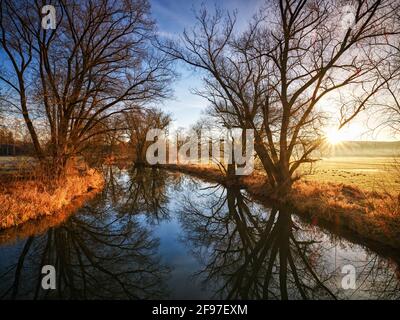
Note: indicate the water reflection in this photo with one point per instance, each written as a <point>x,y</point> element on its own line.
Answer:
<point>93,259</point>
<point>103,252</point>
<point>138,190</point>
<point>253,253</point>
<point>154,234</point>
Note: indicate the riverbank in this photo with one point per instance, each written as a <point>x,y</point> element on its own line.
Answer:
<point>22,201</point>
<point>369,215</point>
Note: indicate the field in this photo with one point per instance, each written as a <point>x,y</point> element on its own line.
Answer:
<point>367,173</point>
<point>12,165</point>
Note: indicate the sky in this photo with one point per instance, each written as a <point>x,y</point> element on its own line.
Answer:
<point>173,16</point>
<point>185,107</point>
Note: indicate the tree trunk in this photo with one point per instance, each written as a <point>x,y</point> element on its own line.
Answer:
<point>28,122</point>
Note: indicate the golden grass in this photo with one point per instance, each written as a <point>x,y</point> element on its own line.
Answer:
<point>26,200</point>
<point>35,227</point>
<point>372,215</point>
<point>367,173</point>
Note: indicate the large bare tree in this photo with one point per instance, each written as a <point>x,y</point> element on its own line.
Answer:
<point>273,76</point>
<point>95,64</point>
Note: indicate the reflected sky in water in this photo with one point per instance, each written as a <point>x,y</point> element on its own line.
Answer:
<point>155,234</point>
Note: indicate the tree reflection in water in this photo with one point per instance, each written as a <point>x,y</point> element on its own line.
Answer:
<point>255,253</point>
<point>111,247</point>
<point>102,252</point>
<point>138,190</point>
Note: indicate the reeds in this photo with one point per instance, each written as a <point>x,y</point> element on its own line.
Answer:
<point>21,201</point>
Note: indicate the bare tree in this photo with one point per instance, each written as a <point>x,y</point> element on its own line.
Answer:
<point>75,77</point>
<point>106,142</point>
<point>1,113</point>
<point>274,76</point>
<point>388,106</point>
<point>138,123</point>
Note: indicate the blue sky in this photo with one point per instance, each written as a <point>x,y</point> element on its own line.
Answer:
<point>172,17</point>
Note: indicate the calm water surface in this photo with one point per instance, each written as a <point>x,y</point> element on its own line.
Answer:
<point>156,234</point>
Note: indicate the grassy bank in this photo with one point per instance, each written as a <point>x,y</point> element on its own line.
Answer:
<point>369,215</point>
<point>23,201</point>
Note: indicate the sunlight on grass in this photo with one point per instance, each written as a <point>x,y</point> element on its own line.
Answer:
<point>25,200</point>
<point>368,173</point>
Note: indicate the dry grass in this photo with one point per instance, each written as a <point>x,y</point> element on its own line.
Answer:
<point>373,215</point>
<point>367,173</point>
<point>35,227</point>
<point>370,215</point>
<point>22,201</point>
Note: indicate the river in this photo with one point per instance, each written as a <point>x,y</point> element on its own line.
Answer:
<point>154,234</point>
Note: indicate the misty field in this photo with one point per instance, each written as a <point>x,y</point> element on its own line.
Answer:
<point>368,173</point>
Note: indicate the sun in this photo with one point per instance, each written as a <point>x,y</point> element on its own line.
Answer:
<point>333,136</point>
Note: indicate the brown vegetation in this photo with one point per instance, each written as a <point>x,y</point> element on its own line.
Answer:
<point>36,227</point>
<point>22,201</point>
<point>371,215</point>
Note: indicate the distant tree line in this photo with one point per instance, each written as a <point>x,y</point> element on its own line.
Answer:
<point>11,146</point>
